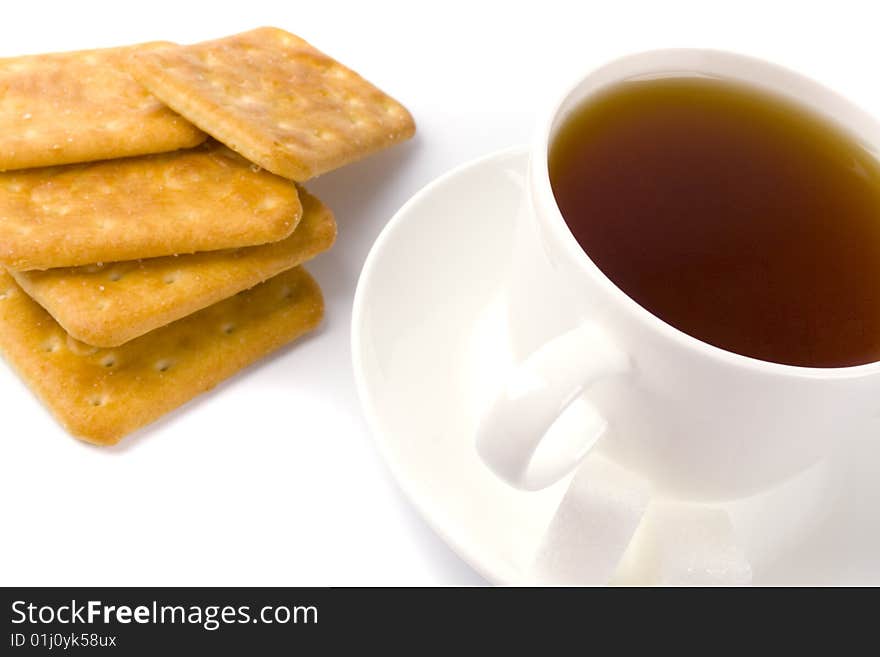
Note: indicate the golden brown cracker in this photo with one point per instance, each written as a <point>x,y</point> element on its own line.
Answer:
<point>82,106</point>
<point>202,199</point>
<point>100,395</point>
<point>276,100</point>
<point>117,302</point>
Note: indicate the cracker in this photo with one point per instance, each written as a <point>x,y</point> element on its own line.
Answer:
<point>276,100</point>
<point>102,395</point>
<point>202,199</point>
<point>82,106</point>
<point>112,304</point>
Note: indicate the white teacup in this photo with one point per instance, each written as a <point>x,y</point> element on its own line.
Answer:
<point>701,422</point>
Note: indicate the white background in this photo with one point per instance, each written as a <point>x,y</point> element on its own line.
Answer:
<point>273,479</point>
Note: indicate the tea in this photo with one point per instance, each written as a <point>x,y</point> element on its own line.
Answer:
<point>733,214</point>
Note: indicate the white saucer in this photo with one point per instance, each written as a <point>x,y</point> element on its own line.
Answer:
<point>429,349</point>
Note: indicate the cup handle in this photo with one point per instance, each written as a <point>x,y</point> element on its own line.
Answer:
<point>535,396</point>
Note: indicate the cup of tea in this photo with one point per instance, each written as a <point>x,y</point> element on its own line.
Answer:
<point>700,271</point>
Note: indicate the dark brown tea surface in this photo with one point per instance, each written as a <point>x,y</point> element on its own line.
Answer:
<point>730,213</point>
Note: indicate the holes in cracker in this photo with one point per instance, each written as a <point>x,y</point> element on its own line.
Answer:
<point>170,279</point>
<point>98,400</point>
<point>287,293</point>
<point>109,361</point>
<point>228,328</point>
<point>164,365</point>
<point>114,275</point>
<point>51,346</point>
<point>5,294</point>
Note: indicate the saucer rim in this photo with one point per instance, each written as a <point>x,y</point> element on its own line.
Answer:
<point>494,575</point>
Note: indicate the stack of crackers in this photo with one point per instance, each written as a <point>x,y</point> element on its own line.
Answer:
<point>152,220</point>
